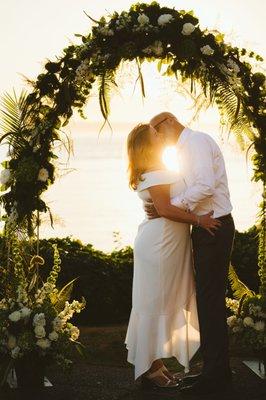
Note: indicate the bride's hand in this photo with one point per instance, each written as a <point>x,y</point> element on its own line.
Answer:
<point>207,222</point>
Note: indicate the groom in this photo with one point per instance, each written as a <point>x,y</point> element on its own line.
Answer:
<point>202,166</point>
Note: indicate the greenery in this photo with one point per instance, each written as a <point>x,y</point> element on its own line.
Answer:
<point>34,122</point>
<point>34,314</point>
<point>145,32</point>
<point>105,279</point>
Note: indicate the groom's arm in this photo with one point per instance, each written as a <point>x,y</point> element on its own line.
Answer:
<point>203,176</point>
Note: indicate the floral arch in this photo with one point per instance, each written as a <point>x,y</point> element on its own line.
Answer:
<point>31,124</point>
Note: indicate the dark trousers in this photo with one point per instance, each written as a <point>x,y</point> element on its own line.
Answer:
<point>211,262</point>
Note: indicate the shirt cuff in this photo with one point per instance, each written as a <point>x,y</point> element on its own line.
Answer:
<point>180,203</point>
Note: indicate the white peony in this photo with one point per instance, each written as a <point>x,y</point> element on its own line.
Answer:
<point>14,316</point>
<point>43,343</point>
<point>5,176</point>
<point>39,331</point>
<point>248,321</point>
<point>143,19</point>
<point>25,312</point>
<point>39,319</point>
<point>165,19</point>
<point>259,326</point>
<point>43,175</point>
<point>231,321</point>
<point>188,28</point>
<point>11,342</point>
<point>207,50</point>
<point>53,336</point>
<point>15,352</point>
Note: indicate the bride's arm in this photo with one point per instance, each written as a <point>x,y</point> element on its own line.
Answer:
<point>160,195</point>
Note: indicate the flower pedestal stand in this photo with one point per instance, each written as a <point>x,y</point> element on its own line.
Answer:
<point>13,382</point>
<point>257,366</point>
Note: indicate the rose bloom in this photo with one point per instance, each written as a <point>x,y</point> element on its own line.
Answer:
<point>248,321</point>
<point>259,326</point>
<point>39,319</point>
<point>25,312</point>
<point>39,331</point>
<point>207,50</point>
<point>15,316</point>
<point>188,28</point>
<point>53,336</point>
<point>43,343</point>
<point>143,19</point>
<point>164,19</point>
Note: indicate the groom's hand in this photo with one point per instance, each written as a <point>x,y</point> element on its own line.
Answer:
<point>150,210</point>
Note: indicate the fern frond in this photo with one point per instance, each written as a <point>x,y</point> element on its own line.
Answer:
<point>238,287</point>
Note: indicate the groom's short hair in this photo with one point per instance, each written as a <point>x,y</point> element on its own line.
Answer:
<point>160,118</point>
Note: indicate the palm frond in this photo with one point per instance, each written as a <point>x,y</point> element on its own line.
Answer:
<point>238,287</point>
<point>13,113</point>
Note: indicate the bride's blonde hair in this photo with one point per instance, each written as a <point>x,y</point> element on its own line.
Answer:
<point>139,151</point>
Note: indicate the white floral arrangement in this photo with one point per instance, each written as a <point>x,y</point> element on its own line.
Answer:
<point>35,319</point>
<point>247,324</point>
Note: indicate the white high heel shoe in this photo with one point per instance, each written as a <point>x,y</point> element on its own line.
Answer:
<point>148,381</point>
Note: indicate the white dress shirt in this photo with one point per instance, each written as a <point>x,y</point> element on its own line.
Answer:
<point>203,168</point>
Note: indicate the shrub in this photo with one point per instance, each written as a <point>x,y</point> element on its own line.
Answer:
<point>105,279</point>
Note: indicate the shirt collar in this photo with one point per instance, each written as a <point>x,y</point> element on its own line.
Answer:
<point>183,137</point>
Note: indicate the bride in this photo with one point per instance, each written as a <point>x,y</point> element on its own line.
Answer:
<point>163,321</point>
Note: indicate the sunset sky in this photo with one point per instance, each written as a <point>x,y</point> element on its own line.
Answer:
<point>34,30</point>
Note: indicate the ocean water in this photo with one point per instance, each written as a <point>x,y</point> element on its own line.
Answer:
<point>92,201</point>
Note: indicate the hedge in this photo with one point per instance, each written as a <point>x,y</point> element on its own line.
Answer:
<point>105,279</point>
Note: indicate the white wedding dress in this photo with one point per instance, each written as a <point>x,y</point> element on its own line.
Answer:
<point>163,320</point>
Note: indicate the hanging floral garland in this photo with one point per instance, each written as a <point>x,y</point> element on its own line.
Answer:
<point>32,123</point>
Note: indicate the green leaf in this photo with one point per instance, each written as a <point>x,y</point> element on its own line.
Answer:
<point>238,287</point>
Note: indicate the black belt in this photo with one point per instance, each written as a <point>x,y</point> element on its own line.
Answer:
<point>224,217</point>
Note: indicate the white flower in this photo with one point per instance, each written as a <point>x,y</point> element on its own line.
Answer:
<point>207,50</point>
<point>11,342</point>
<point>53,336</point>
<point>248,321</point>
<point>74,333</point>
<point>232,304</point>
<point>15,352</point>
<point>58,324</point>
<point>39,331</point>
<point>143,19</point>
<point>259,326</point>
<point>43,175</point>
<point>164,19</point>
<point>233,65</point>
<point>104,30</point>
<point>188,28</point>
<point>237,328</point>
<point>39,319</point>
<point>5,176</point>
<point>25,312</point>
<point>14,316</point>
<point>43,343</point>
<point>231,321</point>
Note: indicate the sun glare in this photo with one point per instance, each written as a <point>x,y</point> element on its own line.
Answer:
<point>170,158</point>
